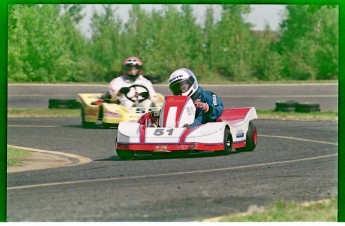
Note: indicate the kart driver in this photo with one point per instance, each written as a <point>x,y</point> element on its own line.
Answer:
<point>132,75</point>
<point>208,105</point>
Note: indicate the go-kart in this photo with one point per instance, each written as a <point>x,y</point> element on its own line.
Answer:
<point>164,132</point>
<point>97,107</point>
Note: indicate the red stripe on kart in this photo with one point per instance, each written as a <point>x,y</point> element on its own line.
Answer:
<point>185,133</point>
<point>171,147</point>
<point>142,130</point>
<point>174,101</point>
<point>240,144</point>
<point>230,114</point>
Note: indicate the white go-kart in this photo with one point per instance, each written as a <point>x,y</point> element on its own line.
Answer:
<point>163,131</point>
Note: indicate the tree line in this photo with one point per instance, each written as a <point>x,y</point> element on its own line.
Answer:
<point>46,45</point>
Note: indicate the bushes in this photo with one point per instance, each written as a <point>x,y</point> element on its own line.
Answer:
<point>46,46</point>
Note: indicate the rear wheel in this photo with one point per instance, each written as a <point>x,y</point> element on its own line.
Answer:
<point>124,154</point>
<point>227,143</point>
<point>107,125</point>
<point>251,138</point>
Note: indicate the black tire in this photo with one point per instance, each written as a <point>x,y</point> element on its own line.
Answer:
<point>63,104</point>
<point>75,105</point>
<point>227,143</point>
<point>124,154</point>
<point>307,110</point>
<point>154,78</point>
<point>251,138</point>
<point>307,107</point>
<point>84,123</point>
<point>286,106</point>
<point>108,125</point>
<point>285,109</point>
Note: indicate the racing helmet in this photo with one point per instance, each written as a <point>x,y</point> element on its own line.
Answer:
<point>132,66</point>
<point>183,82</point>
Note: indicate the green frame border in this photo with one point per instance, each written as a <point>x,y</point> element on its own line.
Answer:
<point>3,110</point>
<point>3,78</point>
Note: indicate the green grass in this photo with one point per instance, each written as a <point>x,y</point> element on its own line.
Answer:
<point>15,155</point>
<point>262,114</point>
<point>312,116</point>
<point>281,211</point>
<point>32,113</point>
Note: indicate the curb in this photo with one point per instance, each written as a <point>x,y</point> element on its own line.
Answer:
<point>44,159</point>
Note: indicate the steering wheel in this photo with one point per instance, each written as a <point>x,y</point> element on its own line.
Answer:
<point>137,94</point>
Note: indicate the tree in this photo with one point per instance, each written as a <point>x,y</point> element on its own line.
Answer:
<point>310,49</point>
<point>106,46</point>
<point>231,53</point>
<point>34,43</point>
<point>44,45</point>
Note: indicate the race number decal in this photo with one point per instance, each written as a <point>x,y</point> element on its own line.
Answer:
<point>214,98</point>
<point>160,132</point>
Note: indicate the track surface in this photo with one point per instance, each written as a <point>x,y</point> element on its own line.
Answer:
<point>293,161</point>
<point>260,96</point>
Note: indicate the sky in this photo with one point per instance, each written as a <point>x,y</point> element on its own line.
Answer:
<point>259,16</point>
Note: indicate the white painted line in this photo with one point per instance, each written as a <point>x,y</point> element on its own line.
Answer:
<point>280,96</point>
<point>300,139</point>
<point>172,174</point>
<point>33,126</point>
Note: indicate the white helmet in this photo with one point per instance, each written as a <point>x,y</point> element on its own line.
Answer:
<point>183,82</point>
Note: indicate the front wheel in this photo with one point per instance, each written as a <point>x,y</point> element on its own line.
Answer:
<point>124,154</point>
<point>84,123</point>
<point>251,138</point>
<point>227,143</point>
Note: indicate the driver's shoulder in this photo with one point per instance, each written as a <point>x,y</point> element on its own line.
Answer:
<point>141,79</point>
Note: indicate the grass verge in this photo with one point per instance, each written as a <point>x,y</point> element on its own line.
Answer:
<point>32,113</point>
<point>15,155</point>
<point>312,116</point>
<point>262,114</point>
<point>281,211</point>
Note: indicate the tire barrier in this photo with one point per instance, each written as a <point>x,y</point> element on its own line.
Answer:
<point>307,107</point>
<point>63,104</point>
<point>286,106</point>
<point>154,78</point>
<point>294,106</point>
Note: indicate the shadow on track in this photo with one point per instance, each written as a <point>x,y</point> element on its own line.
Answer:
<point>157,156</point>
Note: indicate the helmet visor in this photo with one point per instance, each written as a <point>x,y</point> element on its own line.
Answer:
<point>182,86</point>
<point>131,65</point>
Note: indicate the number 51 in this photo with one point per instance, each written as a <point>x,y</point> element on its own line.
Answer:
<point>160,132</point>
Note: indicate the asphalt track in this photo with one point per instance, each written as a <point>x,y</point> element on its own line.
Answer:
<point>294,160</point>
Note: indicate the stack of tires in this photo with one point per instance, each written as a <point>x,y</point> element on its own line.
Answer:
<point>294,106</point>
<point>63,104</point>
<point>154,78</point>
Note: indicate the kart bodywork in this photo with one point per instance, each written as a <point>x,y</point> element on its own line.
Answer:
<point>94,108</point>
<point>163,131</point>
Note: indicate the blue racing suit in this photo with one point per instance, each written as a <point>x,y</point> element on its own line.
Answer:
<point>215,107</point>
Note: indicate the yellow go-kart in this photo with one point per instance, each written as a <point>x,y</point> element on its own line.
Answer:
<point>97,107</point>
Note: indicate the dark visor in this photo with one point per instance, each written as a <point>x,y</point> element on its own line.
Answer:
<point>129,66</point>
<point>181,86</point>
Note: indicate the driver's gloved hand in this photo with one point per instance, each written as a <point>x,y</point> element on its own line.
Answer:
<point>145,94</point>
<point>106,96</point>
<point>203,106</point>
<point>124,90</point>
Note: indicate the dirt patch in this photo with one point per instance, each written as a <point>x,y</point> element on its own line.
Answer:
<point>38,160</point>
